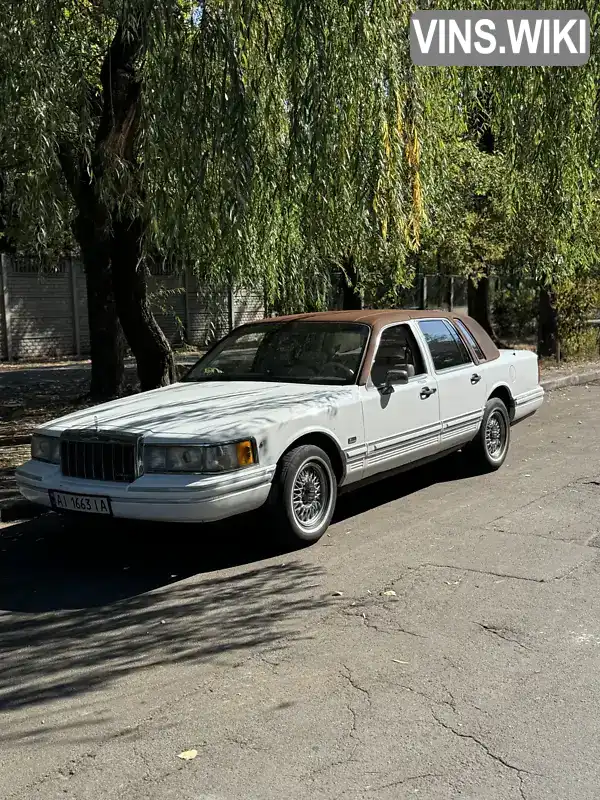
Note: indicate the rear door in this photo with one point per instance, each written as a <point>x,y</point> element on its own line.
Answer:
<point>403,426</point>
<point>461,384</point>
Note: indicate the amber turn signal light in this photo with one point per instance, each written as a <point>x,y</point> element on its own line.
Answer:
<point>245,453</point>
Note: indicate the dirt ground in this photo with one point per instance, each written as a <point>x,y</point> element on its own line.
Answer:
<point>27,404</point>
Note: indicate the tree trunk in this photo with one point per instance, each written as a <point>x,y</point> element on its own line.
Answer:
<point>478,299</point>
<point>107,343</point>
<point>351,299</point>
<point>150,347</point>
<point>117,134</point>
<point>547,325</point>
<point>6,246</point>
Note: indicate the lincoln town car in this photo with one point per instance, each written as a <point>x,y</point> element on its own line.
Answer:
<point>286,413</point>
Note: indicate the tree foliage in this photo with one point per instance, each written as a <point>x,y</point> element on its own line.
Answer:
<point>275,140</point>
<point>279,142</point>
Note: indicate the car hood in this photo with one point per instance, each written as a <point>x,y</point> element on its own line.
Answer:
<point>210,409</point>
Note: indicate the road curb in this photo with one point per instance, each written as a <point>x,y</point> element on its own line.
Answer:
<point>576,379</point>
<point>18,509</point>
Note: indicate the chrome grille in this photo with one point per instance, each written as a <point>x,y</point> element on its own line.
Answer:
<point>96,458</point>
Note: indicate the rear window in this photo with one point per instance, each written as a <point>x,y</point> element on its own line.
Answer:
<point>468,336</point>
<point>445,345</point>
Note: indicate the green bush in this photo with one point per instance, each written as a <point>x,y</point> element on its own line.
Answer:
<point>577,301</point>
<point>515,311</point>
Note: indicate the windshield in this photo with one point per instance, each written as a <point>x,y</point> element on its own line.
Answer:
<point>297,352</point>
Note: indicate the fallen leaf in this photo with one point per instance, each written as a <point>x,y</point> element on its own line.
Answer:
<point>389,593</point>
<point>188,755</point>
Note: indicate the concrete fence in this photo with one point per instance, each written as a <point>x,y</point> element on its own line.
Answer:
<point>43,311</point>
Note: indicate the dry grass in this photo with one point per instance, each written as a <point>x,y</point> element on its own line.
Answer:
<point>28,403</point>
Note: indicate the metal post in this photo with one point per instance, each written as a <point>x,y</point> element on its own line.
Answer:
<point>186,304</point>
<point>230,306</point>
<point>75,308</point>
<point>423,292</point>
<point>4,297</point>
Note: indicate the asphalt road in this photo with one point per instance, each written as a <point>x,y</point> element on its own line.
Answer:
<point>460,659</point>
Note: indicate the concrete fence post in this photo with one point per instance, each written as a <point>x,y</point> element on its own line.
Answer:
<point>230,308</point>
<point>5,300</point>
<point>75,308</point>
<point>186,305</point>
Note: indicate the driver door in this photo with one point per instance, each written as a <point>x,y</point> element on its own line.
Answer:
<point>403,425</point>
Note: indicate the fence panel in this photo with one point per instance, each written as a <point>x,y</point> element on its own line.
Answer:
<point>43,311</point>
<point>38,309</point>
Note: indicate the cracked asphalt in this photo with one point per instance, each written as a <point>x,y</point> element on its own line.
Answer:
<point>443,641</point>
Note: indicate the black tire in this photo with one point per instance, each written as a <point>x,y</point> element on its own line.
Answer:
<point>305,486</point>
<point>489,449</point>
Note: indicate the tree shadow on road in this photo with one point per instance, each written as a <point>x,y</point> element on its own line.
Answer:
<point>90,604</point>
<point>89,610</point>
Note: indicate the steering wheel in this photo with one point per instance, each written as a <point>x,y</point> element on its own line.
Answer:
<point>303,370</point>
<point>338,367</point>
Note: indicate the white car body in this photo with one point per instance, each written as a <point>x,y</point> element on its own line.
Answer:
<point>365,433</point>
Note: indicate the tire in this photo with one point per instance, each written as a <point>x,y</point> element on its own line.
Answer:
<point>299,518</point>
<point>489,449</point>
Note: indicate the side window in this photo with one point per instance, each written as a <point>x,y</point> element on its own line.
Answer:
<point>470,339</point>
<point>398,349</point>
<point>445,345</point>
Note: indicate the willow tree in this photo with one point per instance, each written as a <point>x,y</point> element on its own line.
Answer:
<point>248,141</point>
<point>546,126</point>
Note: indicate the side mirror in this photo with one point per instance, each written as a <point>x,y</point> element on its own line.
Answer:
<point>395,377</point>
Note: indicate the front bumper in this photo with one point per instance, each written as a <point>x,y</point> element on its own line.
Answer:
<point>157,498</point>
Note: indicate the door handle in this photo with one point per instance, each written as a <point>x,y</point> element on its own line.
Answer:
<point>475,378</point>
<point>427,392</point>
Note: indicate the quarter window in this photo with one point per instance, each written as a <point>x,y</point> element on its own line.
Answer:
<point>470,339</point>
<point>445,345</point>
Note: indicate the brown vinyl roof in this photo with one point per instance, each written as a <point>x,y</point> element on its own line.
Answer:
<point>378,319</point>
<point>368,316</point>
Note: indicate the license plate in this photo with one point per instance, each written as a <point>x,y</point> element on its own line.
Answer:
<point>63,501</point>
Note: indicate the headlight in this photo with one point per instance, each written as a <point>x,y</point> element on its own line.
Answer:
<point>199,458</point>
<point>45,448</point>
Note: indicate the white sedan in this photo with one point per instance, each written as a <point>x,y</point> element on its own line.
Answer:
<point>285,413</point>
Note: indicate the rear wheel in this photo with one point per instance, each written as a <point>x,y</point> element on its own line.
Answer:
<point>304,495</point>
<point>490,447</point>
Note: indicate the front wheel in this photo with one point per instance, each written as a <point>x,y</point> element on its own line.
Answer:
<point>304,495</point>
<point>490,447</point>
